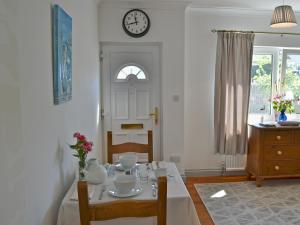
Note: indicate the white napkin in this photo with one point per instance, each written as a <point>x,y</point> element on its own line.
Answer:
<point>91,190</point>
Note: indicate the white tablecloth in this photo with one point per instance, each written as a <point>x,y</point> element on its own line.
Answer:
<point>180,208</point>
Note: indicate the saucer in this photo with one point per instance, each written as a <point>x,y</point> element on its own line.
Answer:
<point>135,191</point>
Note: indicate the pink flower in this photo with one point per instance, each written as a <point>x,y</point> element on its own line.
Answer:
<point>87,147</point>
<point>76,135</point>
<point>81,138</point>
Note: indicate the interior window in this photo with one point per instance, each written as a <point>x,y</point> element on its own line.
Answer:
<point>128,71</point>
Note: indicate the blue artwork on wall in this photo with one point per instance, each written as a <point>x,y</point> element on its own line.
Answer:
<point>62,55</point>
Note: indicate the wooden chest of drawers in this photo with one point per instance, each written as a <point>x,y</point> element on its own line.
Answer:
<point>273,152</point>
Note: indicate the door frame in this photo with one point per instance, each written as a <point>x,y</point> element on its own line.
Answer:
<point>103,134</point>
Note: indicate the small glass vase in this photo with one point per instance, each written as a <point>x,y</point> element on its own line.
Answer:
<point>282,116</point>
<point>81,170</point>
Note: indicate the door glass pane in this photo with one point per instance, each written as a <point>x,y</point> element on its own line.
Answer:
<point>261,84</point>
<point>135,71</point>
<point>291,81</point>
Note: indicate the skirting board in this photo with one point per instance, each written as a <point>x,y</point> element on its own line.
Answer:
<point>214,172</point>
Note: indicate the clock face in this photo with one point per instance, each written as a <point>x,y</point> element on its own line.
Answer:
<point>136,23</point>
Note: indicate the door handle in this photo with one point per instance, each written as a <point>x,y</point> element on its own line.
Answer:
<point>154,115</point>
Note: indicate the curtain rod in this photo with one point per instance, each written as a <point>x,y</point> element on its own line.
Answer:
<point>255,32</point>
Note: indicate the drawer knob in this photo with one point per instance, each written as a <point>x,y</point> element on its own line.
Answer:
<point>279,152</point>
<point>276,168</point>
<point>278,137</point>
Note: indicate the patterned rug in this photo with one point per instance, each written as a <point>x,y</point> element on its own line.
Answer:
<point>277,202</point>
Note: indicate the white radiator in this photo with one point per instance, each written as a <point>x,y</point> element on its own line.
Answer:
<point>235,162</point>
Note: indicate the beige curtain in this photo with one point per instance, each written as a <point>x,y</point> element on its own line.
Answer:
<point>232,90</point>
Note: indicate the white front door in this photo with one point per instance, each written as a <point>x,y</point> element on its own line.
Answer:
<point>131,94</point>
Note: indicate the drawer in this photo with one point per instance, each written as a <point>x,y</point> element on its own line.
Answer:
<point>278,137</point>
<point>297,136</point>
<point>278,152</point>
<point>288,167</point>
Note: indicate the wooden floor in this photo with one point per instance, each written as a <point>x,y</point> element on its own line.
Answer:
<point>203,214</point>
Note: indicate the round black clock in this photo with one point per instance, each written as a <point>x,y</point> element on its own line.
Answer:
<point>136,23</point>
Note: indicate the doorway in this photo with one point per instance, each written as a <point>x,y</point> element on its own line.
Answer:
<point>131,94</point>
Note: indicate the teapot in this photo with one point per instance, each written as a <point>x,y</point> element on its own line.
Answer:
<point>95,172</point>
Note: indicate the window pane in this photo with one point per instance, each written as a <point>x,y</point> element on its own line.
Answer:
<point>291,85</point>
<point>261,84</point>
<point>131,70</point>
<point>141,75</point>
<point>122,75</point>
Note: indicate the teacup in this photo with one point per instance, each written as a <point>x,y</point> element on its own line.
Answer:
<point>128,160</point>
<point>124,183</point>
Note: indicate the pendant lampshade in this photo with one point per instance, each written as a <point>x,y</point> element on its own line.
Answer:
<point>283,17</point>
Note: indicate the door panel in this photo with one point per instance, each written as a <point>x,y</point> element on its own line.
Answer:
<point>130,101</point>
<point>142,104</point>
<point>121,104</point>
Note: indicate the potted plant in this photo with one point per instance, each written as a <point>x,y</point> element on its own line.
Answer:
<point>282,105</point>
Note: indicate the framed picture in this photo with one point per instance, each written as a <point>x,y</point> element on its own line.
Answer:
<point>62,55</point>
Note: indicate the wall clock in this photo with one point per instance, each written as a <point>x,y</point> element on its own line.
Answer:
<point>136,23</point>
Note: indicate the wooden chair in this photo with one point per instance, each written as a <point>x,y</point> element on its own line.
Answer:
<point>129,147</point>
<point>123,208</point>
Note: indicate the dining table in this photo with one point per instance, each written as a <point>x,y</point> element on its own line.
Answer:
<point>180,207</point>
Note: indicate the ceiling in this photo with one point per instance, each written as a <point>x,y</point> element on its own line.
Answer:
<point>245,4</point>
<point>251,4</point>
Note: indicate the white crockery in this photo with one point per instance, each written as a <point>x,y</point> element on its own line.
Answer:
<point>133,192</point>
<point>124,183</point>
<point>128,160</point>
<point>96,173</point>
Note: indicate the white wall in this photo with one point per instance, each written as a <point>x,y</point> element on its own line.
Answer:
<point>200,46</point>
<point>36,164</point>
<point>12,175</point>
<point>167,27</point>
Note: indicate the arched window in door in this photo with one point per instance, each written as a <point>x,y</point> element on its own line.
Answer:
<point>131,72</point>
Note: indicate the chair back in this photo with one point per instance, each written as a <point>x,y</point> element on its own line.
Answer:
<point>123,208</point>
<point>129,147</point>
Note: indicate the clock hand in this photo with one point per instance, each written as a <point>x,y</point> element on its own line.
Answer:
<point>132,23</point>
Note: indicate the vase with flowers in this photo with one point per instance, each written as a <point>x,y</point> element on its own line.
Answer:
<point>282,105</point>
<point>81,149</point>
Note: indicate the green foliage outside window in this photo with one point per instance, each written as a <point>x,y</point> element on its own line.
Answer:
<point>292,83</point>
<point>264,84</point>
<point>261,82</point>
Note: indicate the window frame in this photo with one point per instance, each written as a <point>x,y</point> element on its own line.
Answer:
<point>274,51</point>
<point>285,53</point>
<point>278,76</point>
